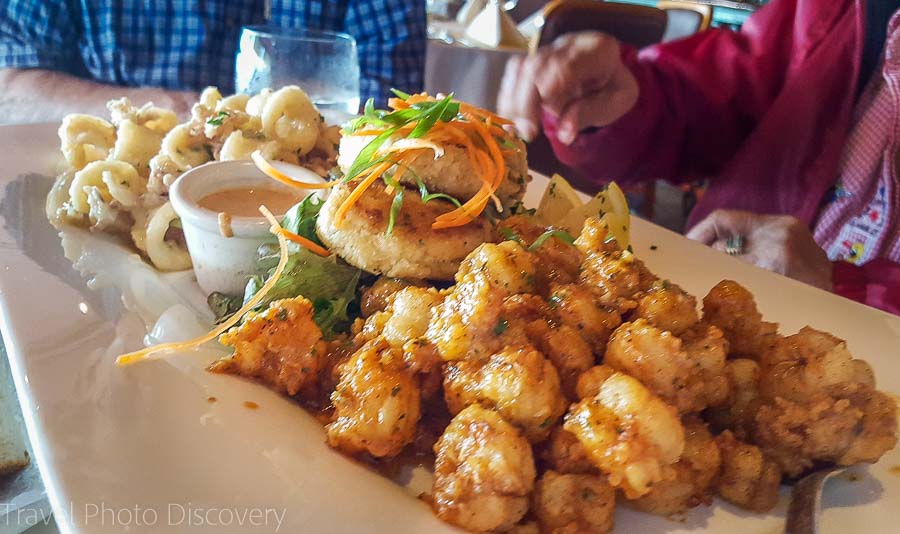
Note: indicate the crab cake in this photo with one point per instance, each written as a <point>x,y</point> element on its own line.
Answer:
<point>413,249</point>
<point>452,173</point>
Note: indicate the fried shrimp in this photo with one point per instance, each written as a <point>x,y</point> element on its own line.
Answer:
<point>667,307</point>
<point>695,473</point>
<point>690,380</point>
<point>819,404</point>
<point>402,325</point>
<point>749,479</point>
<point>614,276</point>
<point>731,307</point>
<point>617,278</point>
<point>854,424</point>
<point>569,352</point>
<point>377,403</point>
<point>595,238</point>
<point>707,348</point>
<point>519,382</point>
<point>468,323</point>
<point>380,294</point>
<point>575,306</point>
<point>566,454</point>
<point>629,434</point>
<point>483,472</point>
<point>590,381</point>
<point>281,346</point>
<point>412,250</point>
<point>556,262</point>
<point>573,504</point>
<point>807,363</point>
<point>410,313</point>
<point>738,412</point>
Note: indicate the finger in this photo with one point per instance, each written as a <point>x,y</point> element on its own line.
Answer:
<point>577,116</point>
<point>523,100</point>
<point>596,109</point>
<point>721,224</point>
<point>508,86</point>
<point>706,232</point>
<point>557,83</point>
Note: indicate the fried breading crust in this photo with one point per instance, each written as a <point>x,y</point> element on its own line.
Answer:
<point>629,433</point>
<point>281,346</point>
<point>483,472</point>
<point>377,403</point>
<point>519,382</point>
<point>731,307</point>
<point>695,472</point>
<point>412,250</point>
<point>574,504</point>
<point>749,479</point>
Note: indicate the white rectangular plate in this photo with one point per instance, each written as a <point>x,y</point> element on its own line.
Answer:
<point>142,447</point>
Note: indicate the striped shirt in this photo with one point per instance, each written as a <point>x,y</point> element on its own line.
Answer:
<point>189,44</point>
<point>860,220</point>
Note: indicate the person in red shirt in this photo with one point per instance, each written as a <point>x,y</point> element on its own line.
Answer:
<point>794,122</point>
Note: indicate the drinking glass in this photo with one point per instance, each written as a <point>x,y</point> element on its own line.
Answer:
<point>322,63</point>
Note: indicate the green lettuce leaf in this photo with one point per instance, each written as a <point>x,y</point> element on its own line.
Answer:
<point>301,218</point>
<point>329,283</point>
<point>223,305</point>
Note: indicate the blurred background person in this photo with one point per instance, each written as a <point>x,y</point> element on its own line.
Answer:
<point>63,56</point>
<point>791,121</point>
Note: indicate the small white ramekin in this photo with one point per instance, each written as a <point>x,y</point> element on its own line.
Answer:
<point>222,263</point>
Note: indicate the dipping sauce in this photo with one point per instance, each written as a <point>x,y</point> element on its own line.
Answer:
<point>245,201</point>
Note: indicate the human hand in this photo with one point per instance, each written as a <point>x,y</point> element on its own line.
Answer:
<point>778,243</point>
<point>580,78</point>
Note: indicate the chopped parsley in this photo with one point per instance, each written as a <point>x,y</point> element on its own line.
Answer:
<point>501,326</point>
<point>217,120</point>
<point>555,301</point>
<point>424,114</point>
<point>563,236</point>
<point>509,235</point>
<point>396,204</point>
<point>426,196</point>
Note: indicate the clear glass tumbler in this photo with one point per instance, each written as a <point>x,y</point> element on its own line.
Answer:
<point>322,63</point>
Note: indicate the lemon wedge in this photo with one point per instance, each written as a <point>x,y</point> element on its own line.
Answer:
<point>562,207</point>
<point>558,202</point>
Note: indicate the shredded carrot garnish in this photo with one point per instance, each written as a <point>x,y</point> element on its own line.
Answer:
<point>374,174</point>
<point>312,246</point>
<point>403,131</point>
<point>168,348</point>
<point>469,109</point>
<point>269,170</point>
<point>492,168</point>
<point>397,103</point>
<point>474,129</point>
